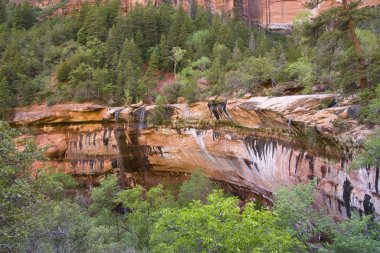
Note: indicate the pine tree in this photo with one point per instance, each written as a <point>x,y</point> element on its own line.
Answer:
<point>130,84</point>
<point>3,12</point>
<point>225,36</point>
<point>116,37</point>
<point>164,52</point>
<point>151,35</point>
<point>164,18</point>
<point>94,27</point>
<point>130,52</point>
<point>24,17</point>
<point>343,16</point>
<point>236,53</point>
<point>174,35</point>
<point>149,79</point>
<point>5,98</point>
<point>185,31</point>
<point>140,42</point>
<point>252,43</point>
<point>202,19</point>
<point>153,63</point>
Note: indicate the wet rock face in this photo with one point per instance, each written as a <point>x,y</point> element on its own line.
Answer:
<point>257,144</point>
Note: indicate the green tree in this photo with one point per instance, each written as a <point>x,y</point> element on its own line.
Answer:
<point>164,52</point>
<point>6,98</point>
<point>131,53</point>
<point>130,85</point>
<point>146,209</point>
<point>303,71</point>
<point>177,56</point>
<point>198,187</point>
<point>3,12</point>
<point>225,36</point>
<point>221,53</point>
<point>294,206</point>
<point>218,226</point>
<point>370,155</point>
<point>94,26</point>
<point>174,38</point>
<point>24,17</point>
<point>202,18</point>
<point>63,72</point>
<point>344,15</point>
<point>15,192</point>
<point>151,35</point>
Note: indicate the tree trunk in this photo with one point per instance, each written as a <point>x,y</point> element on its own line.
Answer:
<point>356,43</point>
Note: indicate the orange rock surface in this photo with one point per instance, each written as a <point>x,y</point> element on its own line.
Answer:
<point>257,144</point>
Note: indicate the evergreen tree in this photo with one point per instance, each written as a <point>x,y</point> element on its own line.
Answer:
<point>185,31</point>
<point>130,84</point>
<point>343,16</point>
<point>225,36</point>
<point>201,19</point>
<point>116,37</point>
<point>5,98</point>
<point>139,38</point>
<point>164,18</point>
<point>252,43</point>
<point>130,52</point>
<point>151,35</point>
<point>24,16</point>
<point>3,12</point>
<point>174,35</point>
<point>94,26</point>
<point>165,62</point>
<point>153,63</point>
<point>110,12</point>
<point>149,79</point>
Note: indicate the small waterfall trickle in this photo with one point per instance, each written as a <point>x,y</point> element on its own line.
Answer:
<point>117,113</point>
<point>140,117</point>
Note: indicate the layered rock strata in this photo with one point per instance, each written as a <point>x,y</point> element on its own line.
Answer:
<point>257,144</point>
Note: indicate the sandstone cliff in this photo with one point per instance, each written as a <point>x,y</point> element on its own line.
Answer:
<point>255,144</point>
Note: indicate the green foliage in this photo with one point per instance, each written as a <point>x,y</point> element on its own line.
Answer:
<point>250,73</point>
<point>370,104</point>
<point>371,154</point>
<point>3,12</point>
<point>297,215</point>
<point>6,99</point>
<point>197,188</point>
<point>358,234</point>
<point>303,71</point>
<point>15,192</point>
<point>161,114</point>
<point>23,16</point>
<point>219,227</point>
<point>146,210</point>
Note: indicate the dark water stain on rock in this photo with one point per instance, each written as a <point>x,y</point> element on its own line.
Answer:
<point>130,157</point>
<point>347,189</point>
<point>367,205</point>
<point>377,179</point>
<point>219,110</point>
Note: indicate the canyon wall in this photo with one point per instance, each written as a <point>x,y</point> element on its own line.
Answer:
<point>256,144</point>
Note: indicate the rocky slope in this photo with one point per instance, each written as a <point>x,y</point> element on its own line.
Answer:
<point>255,144</point>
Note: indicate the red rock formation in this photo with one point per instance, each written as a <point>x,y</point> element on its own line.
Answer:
<point>257,144</point>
